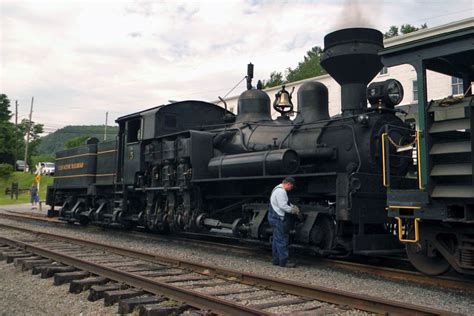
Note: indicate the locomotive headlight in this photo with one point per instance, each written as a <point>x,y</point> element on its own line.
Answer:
<point>363,119</point>
<point>387,93</point>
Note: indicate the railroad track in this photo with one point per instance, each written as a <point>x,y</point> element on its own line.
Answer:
<point>30,216</point>
<point>449,282</point>
<point>195,285</point>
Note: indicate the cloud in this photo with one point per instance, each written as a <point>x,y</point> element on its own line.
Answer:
<point>135,34</point>
<point>80,58</point>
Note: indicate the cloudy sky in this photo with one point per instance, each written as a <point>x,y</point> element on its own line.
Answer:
<point>80,59</point>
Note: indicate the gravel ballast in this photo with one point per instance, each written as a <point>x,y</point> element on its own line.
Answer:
<point>360,283</point>
<point>24,294</point>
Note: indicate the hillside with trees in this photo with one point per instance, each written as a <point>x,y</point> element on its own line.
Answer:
<point>73,135</point>
<point>13,138</point>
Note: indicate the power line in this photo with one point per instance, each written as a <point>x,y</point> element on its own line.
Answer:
<point>431,17</point>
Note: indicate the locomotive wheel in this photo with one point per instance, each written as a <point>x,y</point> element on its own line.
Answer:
<point>83,220</point>
<point>430,264</point>
<point>323,233</point>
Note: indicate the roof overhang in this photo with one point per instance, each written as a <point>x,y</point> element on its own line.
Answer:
<point>450,53</point>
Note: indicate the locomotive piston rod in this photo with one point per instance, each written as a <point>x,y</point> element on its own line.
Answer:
<point>203,222</point>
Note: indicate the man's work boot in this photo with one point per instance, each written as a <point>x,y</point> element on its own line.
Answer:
<point>289,265</point>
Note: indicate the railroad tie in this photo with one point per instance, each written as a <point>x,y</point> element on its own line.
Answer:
<point>28,264</point>
<point>5,253</point>
<point>48,272</point>
<point>78,286</point>
<point>18,262</point>
<point>289,301</point>
<point>112,297</point>
<point>204,285</point>
<point>234,291</point>
<point>38,268</point>
<point>97,292</point>
<point>11,257</point>
<point>141,268</point>
<point>183,278</point>
<point>162,310</point>
<point>65,277</point>
<point>128,306</point>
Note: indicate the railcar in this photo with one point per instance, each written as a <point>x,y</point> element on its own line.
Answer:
<point>435,213</point>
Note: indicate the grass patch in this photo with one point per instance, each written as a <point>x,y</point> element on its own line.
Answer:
<point>24,182</point>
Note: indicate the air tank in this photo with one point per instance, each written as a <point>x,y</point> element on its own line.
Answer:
<point>258,163</point>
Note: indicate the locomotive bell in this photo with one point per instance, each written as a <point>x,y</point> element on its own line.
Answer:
<point>283,101</point>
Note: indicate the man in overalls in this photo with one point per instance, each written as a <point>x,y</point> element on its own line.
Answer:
<point>278,211</point>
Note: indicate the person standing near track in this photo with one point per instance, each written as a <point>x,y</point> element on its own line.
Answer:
<point>34,197</point>
<point>278,211</point>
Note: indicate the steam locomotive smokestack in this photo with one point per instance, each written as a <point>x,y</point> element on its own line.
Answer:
<point>350,57</point>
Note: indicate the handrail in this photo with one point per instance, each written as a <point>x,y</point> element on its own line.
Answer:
<point>384,169</point>
<point>420,182</point>
<point>400,232</point>
<point>386,141</point>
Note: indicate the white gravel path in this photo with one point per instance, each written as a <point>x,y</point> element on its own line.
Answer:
<point>360,283</point>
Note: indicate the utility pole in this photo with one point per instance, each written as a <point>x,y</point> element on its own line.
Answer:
<point>105,127</point>
<point>16,132</point>
<point>28,133</point>
<point>16,112</point>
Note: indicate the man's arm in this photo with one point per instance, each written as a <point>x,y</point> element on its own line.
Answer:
<point>282,201</point>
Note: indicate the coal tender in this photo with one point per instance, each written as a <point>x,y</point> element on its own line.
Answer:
<point>194,167</point>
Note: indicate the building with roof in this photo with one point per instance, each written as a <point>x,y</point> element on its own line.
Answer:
<point>439,85</point>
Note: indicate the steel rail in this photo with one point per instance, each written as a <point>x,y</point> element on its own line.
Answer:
<point>402,275</point>
<point>15,216</point>
<point>193,298</point>
<point>334,296</point>
<point>389,273</point>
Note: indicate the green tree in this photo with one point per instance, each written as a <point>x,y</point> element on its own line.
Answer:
<point>392,32</point>
<point>5,113</point>
<point>404,29</point>
<point>309,67</point>
<point>276,79</point>
<point>76,141</point>
<point>34,130</point>
<point>8,141</point>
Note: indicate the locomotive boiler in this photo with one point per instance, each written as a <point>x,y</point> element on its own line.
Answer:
<point>192,166</point>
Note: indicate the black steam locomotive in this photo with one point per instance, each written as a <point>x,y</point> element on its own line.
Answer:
<point>193,166</point>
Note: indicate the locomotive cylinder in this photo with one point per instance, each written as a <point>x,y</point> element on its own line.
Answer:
<point>280,161</point>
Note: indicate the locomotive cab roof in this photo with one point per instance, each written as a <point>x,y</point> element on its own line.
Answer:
<point>175,117</point>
